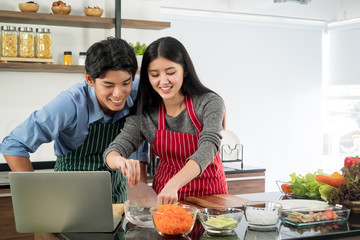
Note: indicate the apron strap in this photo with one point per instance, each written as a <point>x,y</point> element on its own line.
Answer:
<point>191,111</point>
<point>161,117</point>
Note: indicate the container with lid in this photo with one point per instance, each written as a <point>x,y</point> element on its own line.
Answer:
<point>82,57</point>
<point>43,43</point>
<point>68,60</point>
<point>26,42</point>
<point>9,41</point>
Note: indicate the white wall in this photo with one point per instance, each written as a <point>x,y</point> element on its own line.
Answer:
<point>23,92</point>
<point>269,75</point>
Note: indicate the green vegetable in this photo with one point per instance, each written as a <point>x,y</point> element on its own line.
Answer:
<point>350,190</point>
<point>220,222</point>
<point>325,191</point>
<point>306,185</point>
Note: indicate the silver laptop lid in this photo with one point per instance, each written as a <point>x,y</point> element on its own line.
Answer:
<point>62,201</point>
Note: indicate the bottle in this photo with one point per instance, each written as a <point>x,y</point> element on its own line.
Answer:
<point>26,42</point>
<point>68,60</point>
<point>9,41</point>
<point>43,43</point>
<point>82,57</point>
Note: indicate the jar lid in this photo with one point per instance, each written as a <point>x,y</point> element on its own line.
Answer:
<point>68,53</point>
<point>82,53</point>
<point>43,30</point>
<point>7,28</point>
<point>25,29</point>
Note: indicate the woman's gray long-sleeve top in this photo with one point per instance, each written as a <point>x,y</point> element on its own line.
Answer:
<point>210,110</point>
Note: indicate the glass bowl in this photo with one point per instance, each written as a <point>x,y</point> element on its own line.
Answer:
<point>173,219</point>
<point>138,215</point>
<point>220,220</point>
<point>262,215</point>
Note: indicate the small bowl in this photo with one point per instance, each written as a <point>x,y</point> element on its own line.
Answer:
<point>93,12</point>
<point>138,215</point>
<point>353,205</point>
<point>171,214</point>
<point>262,215</point>
<point>28,7</point>
<point>61,10</point>
<point>220,221</point>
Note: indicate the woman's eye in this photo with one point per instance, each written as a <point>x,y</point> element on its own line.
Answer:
<point>171,73</point>
<point>154,76</point>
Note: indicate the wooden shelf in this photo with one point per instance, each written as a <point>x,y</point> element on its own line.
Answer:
<point>77,21</point>
<point>39,67</point>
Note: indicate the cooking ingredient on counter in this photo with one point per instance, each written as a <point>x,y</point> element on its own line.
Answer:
<point>220,222</point>
<point>286,188</point>
<point>29,6</point>
<point>9,41</point>
<point>299,217</point>
<point>306,185</point>
<point>325,191</point>
<point>351,160</point>
<point>335,180</point>
<point>350,190</point>
<point>172,219</point>
<point>59,3</point>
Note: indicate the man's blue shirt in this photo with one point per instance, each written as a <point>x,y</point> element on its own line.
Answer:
<point>65,120</point>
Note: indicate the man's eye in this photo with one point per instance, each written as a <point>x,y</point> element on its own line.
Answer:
<point>108,86</point>
<point>126,83</point>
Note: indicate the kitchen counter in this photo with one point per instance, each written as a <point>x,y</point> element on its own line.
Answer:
<point>346,230</point>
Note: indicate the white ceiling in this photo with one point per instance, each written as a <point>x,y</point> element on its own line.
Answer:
<point>329,10</point>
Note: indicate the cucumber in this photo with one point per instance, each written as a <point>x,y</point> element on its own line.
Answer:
<point>220,222</point>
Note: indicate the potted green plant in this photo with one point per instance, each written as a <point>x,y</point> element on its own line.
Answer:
<point>139,50</point>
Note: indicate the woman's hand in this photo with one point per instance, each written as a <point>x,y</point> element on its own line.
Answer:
<point>128,167</point>
<point>168,194</point>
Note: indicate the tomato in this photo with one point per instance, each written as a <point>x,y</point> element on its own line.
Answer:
<point>351,160</point>
<point>286,188</point>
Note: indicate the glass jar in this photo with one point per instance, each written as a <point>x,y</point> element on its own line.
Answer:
<point>26,42</point>
<point>43,43</point>
<point>9,41</point>
<point>82,57</point>
<point>68,60</point>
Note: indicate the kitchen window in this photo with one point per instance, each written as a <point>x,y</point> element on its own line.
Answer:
<point>341,124</point>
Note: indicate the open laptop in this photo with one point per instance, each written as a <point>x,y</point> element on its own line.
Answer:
<point>63,202</point>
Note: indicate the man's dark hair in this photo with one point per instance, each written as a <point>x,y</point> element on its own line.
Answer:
<point>110,54</point>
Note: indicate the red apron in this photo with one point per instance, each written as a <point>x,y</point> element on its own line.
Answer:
<point>173,148</point>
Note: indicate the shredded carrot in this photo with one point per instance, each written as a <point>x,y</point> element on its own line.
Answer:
<point>332,181</point>
<point>173,219</point>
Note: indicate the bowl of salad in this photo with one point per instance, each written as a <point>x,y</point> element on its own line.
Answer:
<point>220,221</point>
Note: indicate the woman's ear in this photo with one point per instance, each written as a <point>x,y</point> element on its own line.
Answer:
<point>89,80</point>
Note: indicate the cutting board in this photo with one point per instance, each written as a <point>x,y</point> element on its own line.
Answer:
<point>118,209</point>
<point>217,200</point>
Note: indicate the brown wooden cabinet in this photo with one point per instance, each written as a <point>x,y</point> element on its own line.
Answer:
<point>243,183</point>
<point>7,221</point>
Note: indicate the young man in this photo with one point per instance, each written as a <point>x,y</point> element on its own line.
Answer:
<point>83,120</point>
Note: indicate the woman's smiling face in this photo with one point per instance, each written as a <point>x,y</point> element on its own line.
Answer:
<point>166,77</point>
<point>112,89</point>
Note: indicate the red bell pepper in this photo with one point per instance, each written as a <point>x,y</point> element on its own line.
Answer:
<point>349,161</point>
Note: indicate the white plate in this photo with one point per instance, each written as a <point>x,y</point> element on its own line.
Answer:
<point>303,205</point>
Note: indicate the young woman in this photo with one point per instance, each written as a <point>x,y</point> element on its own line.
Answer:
<point>181,119</point>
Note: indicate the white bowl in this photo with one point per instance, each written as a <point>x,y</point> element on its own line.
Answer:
<point>262,215</point>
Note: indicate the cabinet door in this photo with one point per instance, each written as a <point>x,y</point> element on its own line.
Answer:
<point>245,183</point>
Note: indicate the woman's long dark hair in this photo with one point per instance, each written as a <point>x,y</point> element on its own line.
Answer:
<point>173,50</point>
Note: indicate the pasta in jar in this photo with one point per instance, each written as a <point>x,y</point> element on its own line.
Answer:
<point>43,43</point>
<point>9,41</point>
<point>26,42</point>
